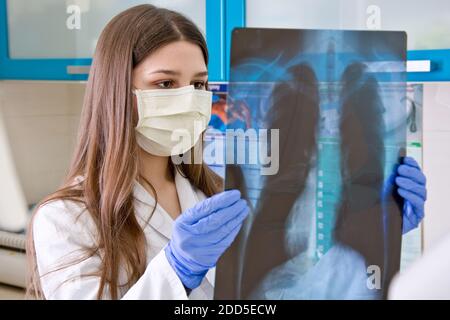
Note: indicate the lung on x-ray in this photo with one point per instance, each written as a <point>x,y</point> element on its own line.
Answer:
<point>325,113</point>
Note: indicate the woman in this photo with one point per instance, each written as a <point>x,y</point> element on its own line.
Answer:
<point>102,234</point>
<point>130,223</point>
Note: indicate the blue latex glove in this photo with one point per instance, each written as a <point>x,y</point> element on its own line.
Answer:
<point>411,183</point>
<point>202,233</point>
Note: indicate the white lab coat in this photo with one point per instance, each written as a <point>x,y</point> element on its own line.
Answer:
<point>60,232</point>
<point>427,278</point>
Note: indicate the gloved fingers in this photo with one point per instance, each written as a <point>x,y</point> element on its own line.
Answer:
<point>410,219</point>
<point>411,162</point>
<point>231,236</point>
<point>232,224</point>
<point>218,218</point>
<point>220,247</point>
<point>412,186</point>
<point>414,199</point>
<point>408,213</point>
<point>224,231</point>
<point>211,204</point>
<point>412,173</point>
<point>214,251</point>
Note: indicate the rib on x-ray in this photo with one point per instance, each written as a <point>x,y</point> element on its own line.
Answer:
<point>327,224</point>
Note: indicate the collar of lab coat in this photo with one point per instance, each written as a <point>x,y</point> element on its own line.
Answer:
<point>161,220</point>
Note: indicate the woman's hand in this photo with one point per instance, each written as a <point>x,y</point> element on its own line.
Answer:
<point>411,183</point>
<point>202,233</point>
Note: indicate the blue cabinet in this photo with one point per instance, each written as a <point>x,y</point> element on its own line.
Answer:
<point>55,40</point>
<point>38,43</point>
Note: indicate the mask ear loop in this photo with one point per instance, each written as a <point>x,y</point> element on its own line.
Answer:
<point>138,103</point>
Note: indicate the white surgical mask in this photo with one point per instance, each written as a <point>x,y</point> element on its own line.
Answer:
<point>171,120</point>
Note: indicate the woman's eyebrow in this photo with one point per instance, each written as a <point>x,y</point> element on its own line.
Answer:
<point>171,72</point>
<point>201,74</point>
<point>176,73</point>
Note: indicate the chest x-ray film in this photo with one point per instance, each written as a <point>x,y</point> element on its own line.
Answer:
<point>316,127</point>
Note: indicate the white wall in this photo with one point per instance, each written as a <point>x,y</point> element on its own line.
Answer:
<point>436,160</point>
<point>41,119</point>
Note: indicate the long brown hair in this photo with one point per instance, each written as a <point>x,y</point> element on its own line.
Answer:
<point>106,155</point>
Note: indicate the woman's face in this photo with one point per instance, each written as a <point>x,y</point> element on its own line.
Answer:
<point>174,65</point>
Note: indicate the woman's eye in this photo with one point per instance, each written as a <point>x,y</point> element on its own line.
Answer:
<point>165,84</point>
<point>199,85</point>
